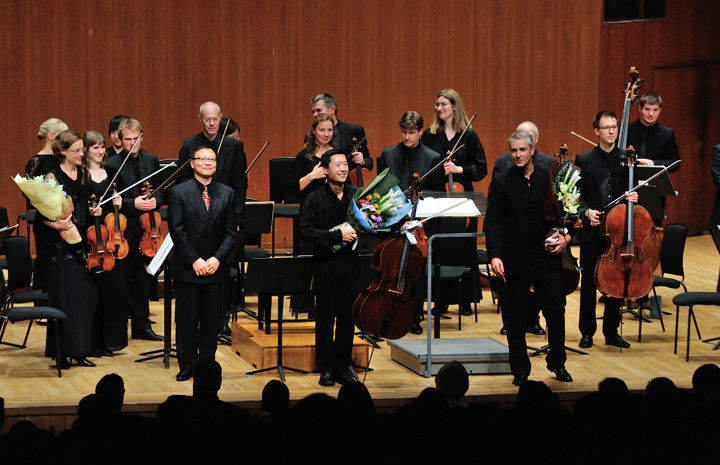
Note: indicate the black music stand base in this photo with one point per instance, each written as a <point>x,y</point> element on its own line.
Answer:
<point>546,348</point>
<point>167,351</point>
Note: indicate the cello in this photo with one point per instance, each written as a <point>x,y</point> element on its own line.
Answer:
<point>626,268</point>
<point>384,309</point>
<point>360,176</point>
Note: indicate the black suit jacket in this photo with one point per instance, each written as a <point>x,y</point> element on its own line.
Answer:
<point>506,223</point>
<point>127,177</point>
<point>661,146</point>
<point>200,233</point>
<point>231,165</point>
<point>343,137</point>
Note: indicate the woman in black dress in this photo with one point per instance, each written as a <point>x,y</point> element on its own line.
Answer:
<point>109,329</point>
<point>468,165</point>
<point>39,165</point>
<point>70,287</point>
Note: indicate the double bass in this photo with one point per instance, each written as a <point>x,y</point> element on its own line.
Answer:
<point>384,309</point>
<point>626,268</point>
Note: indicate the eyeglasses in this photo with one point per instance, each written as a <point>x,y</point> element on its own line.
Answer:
<point>83,150</point>
<point>206,159</point>
<point>442,104</point>
<point>211,120</point>
<point>607,128</point>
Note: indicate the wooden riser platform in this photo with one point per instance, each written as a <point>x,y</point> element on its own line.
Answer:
<point>260,349</point>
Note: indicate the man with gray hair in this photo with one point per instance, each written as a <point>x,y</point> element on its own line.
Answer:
<point>503,163</point>
<point>522,253</point>
<point>346,135</point>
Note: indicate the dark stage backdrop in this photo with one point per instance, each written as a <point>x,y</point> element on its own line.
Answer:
<point>551,62</point>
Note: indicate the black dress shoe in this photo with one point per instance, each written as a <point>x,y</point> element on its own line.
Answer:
<point>64,363</point>
<point>561,374</point>
<point>342,375</point>
<point>519,379</point>
<point>96,354</point>
<point>184,375</point>
<point>465,310</point>
<point>536,329</point>
<point>83,362</point>
<point>416,328</point>
<point>586,342</point>
<point>503,331</point>
<point>225,331</point>
<point>617,341</point>
<point>147,335</point>
<point>326,378</point>
<point>107,353</point>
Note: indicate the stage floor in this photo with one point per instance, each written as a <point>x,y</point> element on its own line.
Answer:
<point>31,389</point>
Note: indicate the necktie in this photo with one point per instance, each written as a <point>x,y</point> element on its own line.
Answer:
<point>206,198</point>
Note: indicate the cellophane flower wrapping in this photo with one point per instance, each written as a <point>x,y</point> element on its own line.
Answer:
<point>48,197</point>
<point>379,206</point>
<point>568,193</point>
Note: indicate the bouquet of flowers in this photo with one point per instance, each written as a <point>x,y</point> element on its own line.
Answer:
<point>380,205</point>
<point>377,207</point>
<point>48,197</point>
<point>568,194</point>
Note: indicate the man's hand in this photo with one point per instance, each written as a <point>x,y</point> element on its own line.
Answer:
<point>199,266</point>
<point>556,243</point>
<point>593,216</point>
<point>348,233</point>
<point>142,203</point>
<point>498,268</point>
<point>211,266</point>
<point>357,158</point>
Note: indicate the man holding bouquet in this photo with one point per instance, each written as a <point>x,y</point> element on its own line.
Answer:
<point>335,272</point>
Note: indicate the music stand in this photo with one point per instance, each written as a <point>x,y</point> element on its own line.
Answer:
<point>162,261</point>
<point>650,195</point>
<point>258,221</point>
<point>279,277</point>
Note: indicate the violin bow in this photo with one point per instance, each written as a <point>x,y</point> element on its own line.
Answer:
<point>357,144</point>
<point>257,156</point>
<point>101,201</point>
<point>222,139</point>
<point>142,180</point>
<point>456,148</point>
<point>641,184</point>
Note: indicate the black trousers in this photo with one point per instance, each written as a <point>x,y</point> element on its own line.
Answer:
<point>589,253</point>
<point>196,322</point>
<point>551,299</point>
<point>336,288</point>
<point>138,281</point>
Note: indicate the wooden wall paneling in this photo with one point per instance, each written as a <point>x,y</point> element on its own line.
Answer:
<point>263,61</point>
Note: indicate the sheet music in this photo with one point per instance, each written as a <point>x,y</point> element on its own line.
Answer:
<point>461,207</point>
<point>159,259</point>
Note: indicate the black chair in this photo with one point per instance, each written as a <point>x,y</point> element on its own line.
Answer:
<point>484,260</point>
<point>672,251</point>
<point>286,204</point>
<point>3,224</point>
<point>258,221</point>
<point>690,299</point>
<point>451,273</point>
<point>19,277</point>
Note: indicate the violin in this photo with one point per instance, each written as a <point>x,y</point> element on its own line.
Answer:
<point>99,258</point>
<point>150,222</point>
<point>626,268</point>
<point>384,309</point>
<point>451,185</point>
<point>116,224</point>
<point>360,176</point>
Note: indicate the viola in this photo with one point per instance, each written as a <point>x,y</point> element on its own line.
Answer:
<point>360,176</point>
<point>626,268</point>
<point>99,258</point>
<point>150,222</point>
<point>384,309</point>
<point>116,224</point>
